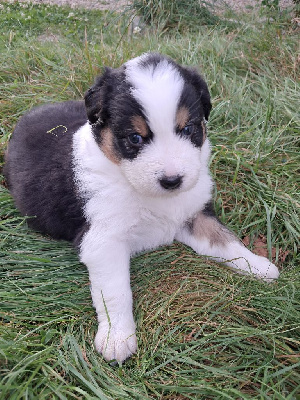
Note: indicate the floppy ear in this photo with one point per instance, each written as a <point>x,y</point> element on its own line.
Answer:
<point>95,98</point>
<point>201,87</point>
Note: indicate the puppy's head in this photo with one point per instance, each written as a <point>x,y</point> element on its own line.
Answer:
<point>149,118</point>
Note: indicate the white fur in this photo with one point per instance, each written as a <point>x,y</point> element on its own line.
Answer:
<point>158,90</point>
<point>129,222</point>
<point>120,226</point>
<point>128,211</point>
<point>146,221</point>
<point>172,157</point>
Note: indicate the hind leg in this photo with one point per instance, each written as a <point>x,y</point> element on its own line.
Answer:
<point>207,236</point>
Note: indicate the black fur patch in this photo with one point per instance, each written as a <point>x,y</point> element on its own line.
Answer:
<point>198,97</point>
<point>110,105</point>
<point>195,96</point>
<point>39,169</point>
<point>209,210</point>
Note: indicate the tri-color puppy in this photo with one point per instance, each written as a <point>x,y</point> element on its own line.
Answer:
<point>124,172</point>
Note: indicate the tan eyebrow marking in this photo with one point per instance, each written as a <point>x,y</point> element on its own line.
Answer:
<point>139,125</point>
<point>182,117</point>
<point>107,146</point>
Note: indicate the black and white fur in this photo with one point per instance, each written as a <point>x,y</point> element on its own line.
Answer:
<point>124,172</point>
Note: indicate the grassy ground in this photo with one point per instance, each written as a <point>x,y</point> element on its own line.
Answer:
<point>203,332</point>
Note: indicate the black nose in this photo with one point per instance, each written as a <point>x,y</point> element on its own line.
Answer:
<point>171,182</point>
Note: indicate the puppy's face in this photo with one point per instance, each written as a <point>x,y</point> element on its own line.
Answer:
<point>149,118</point>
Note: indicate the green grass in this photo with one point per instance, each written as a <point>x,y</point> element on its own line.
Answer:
<point>203,331</point>
<point>182,15</point>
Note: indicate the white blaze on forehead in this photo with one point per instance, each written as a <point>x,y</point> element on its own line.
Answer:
<point>158,89</point>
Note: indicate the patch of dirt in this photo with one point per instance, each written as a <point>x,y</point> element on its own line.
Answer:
<point>244,5</point>
<point>116,5</point>
<point>260,247</point>
<point>119,5</point>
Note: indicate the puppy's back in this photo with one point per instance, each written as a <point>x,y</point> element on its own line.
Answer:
<point>39,168</point>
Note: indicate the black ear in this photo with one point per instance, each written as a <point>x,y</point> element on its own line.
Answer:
<point>95,98</point>
<point>193,76</point>
<point>205,97</point>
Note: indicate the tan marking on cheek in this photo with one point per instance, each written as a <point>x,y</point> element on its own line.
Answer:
<point>210,228</point>
<point>203,125</point>
<point>182,117</point>
<point>139,125</point>
<point>107,146</point>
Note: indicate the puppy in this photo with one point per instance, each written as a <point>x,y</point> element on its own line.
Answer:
<point>123,172</point>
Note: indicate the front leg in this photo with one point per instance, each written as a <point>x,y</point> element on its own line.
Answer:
<point>206,235</point>
<point>107,261</point>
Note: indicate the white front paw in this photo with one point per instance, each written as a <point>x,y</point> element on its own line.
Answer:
<point>264,269</point>
<point>255,265</point>
<point>116,342</point>
<point>244,261</point>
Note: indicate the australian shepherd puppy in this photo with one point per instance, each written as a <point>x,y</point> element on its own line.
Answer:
<point>125,170</point>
